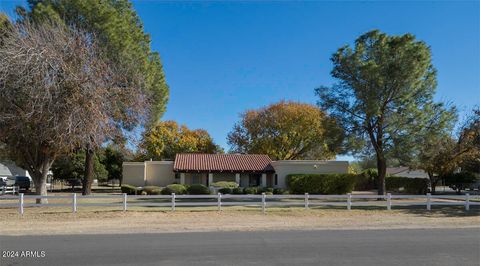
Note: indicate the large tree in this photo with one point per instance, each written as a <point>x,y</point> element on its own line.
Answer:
<point>384,96</point>
<point>112,158</point>
<point>287,131</point>
<point>71,166</point>
<point>57,93</point>
<point>167,138</point>
<point>441,154</point>
<point>120,32</point>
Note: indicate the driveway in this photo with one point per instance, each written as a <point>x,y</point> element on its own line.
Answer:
<point>323,247</point>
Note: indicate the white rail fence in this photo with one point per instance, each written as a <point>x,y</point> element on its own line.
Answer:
<point>9,190</point>
<point>262,201</point>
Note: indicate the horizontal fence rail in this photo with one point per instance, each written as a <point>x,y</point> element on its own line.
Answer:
<point>9,190</point>
<point>262,201</point>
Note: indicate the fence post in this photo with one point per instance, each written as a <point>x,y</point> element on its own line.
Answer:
<point>389,201</point>
<point>264,203</point>
<point>429,201</point>
<point>306,201</point>
<point>219,201</point>
<point>20,203</point>
<point>124,202</point>
<point>349,201</point>
<point>173,202</point>
<point>467,201</point>
<point>13,190</point>
<point>74,202</point>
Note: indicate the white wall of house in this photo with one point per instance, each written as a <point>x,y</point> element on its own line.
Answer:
<point>159,173</point>
<point>134,173</point>
<point>149,173</point>
<point>285,168</point>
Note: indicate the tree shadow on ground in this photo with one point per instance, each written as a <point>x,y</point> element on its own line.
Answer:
<point>436,211</point>
<point>441,211</point>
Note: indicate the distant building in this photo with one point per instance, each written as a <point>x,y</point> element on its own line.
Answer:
<point>9,169</point>
<point>406,172</point>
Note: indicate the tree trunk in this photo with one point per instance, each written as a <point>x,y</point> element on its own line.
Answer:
<point>39,177</point>
<point>382,172</point>
<point>88,175</point>
<point>433,182</point>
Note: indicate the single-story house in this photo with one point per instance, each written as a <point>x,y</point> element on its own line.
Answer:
<point>245,169</point>
<point>404,171</point>
<point>10,169</point>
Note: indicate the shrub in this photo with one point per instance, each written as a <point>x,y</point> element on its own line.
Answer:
<point>268,193</point>
<point>251,190</point>
<point>366,180</point>
<point>129,189</point>
<point>265,190</point>
<point>143,193</point>
<point>157,191</point>
<point>224,184</point>
<point>174,188</point>
<point>198,189</point>
<point>279,191</point>
<point>226,190</point>
<point>321,183</point>
<point>409,185</point>
<point>149,189</point>
<point>237,191</point>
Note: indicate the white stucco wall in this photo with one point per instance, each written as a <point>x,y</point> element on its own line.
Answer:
<point>159,173</point>
<point>284,168</point>
<point>149,173</point>
<point>134,173</point>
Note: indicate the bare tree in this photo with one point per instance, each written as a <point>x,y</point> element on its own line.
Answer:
<point>58,93</point>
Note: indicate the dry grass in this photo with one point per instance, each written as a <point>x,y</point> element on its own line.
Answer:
<point>90,220</point>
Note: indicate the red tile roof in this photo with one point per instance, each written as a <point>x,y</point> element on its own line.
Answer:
<point>197,162</point>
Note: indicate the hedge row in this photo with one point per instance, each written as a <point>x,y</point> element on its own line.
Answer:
<point>196,189</point>
<point>253,190</point>
<point>345,183</point>
<point>321,183</point>
<point>406,185</point>
<point>178,189</point>
<point>224,184</point>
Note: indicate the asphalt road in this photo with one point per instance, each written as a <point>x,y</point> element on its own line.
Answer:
<point>353,247</point>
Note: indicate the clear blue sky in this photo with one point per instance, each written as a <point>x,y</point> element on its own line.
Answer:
<point>221,58</point>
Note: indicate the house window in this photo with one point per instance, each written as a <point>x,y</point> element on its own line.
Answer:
<point>276,180</point>
<point>254,180</point>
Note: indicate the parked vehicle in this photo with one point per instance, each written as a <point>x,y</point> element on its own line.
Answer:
<point>3,181</point>
<point>23,182</point>
<point>475,185</point>
<point>10,181</point>
<point>74,182</point>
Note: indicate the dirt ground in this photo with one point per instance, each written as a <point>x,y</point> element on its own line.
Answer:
<point>91,221</point>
